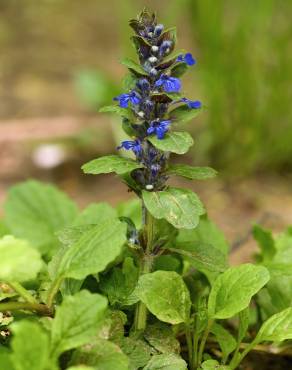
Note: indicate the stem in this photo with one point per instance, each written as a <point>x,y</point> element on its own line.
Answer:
<point>54,290</point>
<point>145,267</point>
<point>236,360</point>
<point>190,345</point>
<point>39,308</point>
<point>195,349</point>
<point>203,341</point>
<point>22,292</point>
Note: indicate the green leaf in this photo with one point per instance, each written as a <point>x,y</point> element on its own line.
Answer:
<point>138,351</point>
<point>101,355</point>
<point>213,365</point>
<point>95,213</point>
<point>6,359</point>
<point>266,243</point>
<point>131,209</point>
<point>77,320</point>
<point>36,211</point>
<point>162,338</point>
<point>184,114</point>
<point>172,57</point>
<point>133,66</point>
<point>81,367</point>
<point>226,341</point>
<point>277,328</point>
<point>181,208</point>
<point>123,112</point>
<point>175,142</point>
<point>166,362</point>
<point>179,69</point>
<point>110,163</point>
<point>95,249</point>
<point>16,256</point>
<point>30,346</point>
<point>233,290</point>
<point>202,256</point>
<point>243,324</point>
<point>190,172</point>
<point>207,232</point>
<point>165,295</point>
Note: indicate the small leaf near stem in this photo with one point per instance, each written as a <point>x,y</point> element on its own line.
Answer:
<point>54,290</point>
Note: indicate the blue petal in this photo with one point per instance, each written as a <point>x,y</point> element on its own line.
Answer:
<point>188,58</point>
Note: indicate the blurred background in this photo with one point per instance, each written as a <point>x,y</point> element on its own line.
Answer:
<point>60,62</point>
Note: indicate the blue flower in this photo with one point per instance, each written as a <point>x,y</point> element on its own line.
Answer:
<point>124,99</point>
<point>159,128</point>
<point>169,84</point>
<point>165,47</point>
<point>193,104</point>
<point>134,145</point>
<point>187,58</point>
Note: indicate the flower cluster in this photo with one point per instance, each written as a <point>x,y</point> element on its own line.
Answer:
<point>156,87</point>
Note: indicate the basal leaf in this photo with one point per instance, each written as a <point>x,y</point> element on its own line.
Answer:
<point>110,163</point>
<point>175,142</point>
<point>94,250</point>
<point>192,173</point>
<point>181,208</point>
<point>36,211</point>
<point>266,243</point>
<point>16,256</point>
<point>77,320</point>
<point>95,213</point>
<point>168,361</point>
<point>30,345</point>
<point>233,290</point>
<point>184,114</point>
<point>162,338</point>
<point>213,365</point>
<point>138,351</point>
<point>123,112</point>
<point>277,328</point>
<point>101,355</point>
<point>165,295</point>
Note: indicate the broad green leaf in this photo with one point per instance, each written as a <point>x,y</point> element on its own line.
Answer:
<point>283,245</point>
<point>16,256</point>
<point>184,114</point>
<point>202,256</point>
<point>101,355</point>
<point>81,367</point>
<point>4,229</point>
<point>95,213</point>
<point>168,262</point>
<point>192,173</point>
<point>277,328</point>
<point>95,249</point>
<point>226,341</point>
<point>181,208</point>
<point>118,320</point>
<point>175,142</point>
<point>213,365</point>
<point>165,361</point>
<point>70,235</point>
<point>119,284</point>
<point>132,209</point>
<point>206,233</point>
<point>133,66</point>
<point>266,243</point>
<point>243,324</point>
<point>165,295</point>
<point>124,112</point>
<point>138,351</point>
<point>30,345</point>
<point>6,359</point>
<point>233,290</point>
<point>36,211</point>
<point>77,320</point>
<point>162,338</point>
<point>110,163</point>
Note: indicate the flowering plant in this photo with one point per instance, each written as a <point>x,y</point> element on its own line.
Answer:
<point>146,285</point>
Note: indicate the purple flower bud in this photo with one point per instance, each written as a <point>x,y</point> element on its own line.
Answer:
<point>165,47</point>
<point>158,30</point>
<point>143,84</point>
<point>193,104</point>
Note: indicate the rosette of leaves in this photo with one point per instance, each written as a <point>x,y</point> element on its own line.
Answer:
<point>133,287</point>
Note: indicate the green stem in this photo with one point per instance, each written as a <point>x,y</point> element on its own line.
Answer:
<point>145,267</point>
<point>195,349</point>
<point>37,307</point>
<point>204,340</point>
<point>236,360</point>
<point>189,345</point>
<point>22,292</point>
<point>54,290</point>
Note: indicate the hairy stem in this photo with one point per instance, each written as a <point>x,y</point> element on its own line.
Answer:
<point>203,341</point>
<point>145,267</point>
<point>22,292</point>
<point>41,309</point>
<point>54,290</point>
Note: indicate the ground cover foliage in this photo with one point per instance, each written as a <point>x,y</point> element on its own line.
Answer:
<point>145,285</point>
